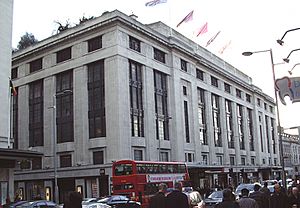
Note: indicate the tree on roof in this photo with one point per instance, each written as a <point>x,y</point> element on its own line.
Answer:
<point>27,39</point>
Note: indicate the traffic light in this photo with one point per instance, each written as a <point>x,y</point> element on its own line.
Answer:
<point>231,172</point>
<point>242,172</point>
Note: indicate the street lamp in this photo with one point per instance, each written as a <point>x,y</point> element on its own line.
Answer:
<point>56,195</point>
<point>280,42</point>
<point>277,109</point>
<point>290,71</point>
<point>287,60</point>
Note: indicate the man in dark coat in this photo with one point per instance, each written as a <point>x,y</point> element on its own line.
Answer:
<point>278,199</point>
<point>159,199</point>
<point>227,200</point>
<point>176,198</point>
<point>294,198</point>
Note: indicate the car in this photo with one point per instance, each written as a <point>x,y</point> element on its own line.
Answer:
<point>119,201</point>
<point>96,205</point>
<point>17,203</point>
<point>87,201</point>
<point>213,199</point>
<point>38,203</point>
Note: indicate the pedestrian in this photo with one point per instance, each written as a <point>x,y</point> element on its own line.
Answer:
<point>176,198</point>
<point>227,200</point>
<point>278,199</point>
<point>266,195</point>
<point>245,201</point>
<point>294,198</point>
<point>74,200</point>
<point>257,195</point>
<point>159,199</point>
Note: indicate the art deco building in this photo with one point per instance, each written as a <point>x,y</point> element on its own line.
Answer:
<point>126,90</point>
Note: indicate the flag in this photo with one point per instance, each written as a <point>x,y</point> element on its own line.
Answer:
<point>202,30</point>
<point>13,90</point>
<point>155,2</point>
<point>212,39</point>
<point>187,18</point>
<point>221,51</point>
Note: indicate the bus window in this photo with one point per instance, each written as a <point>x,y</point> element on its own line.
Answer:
<point>151,188</point>
<point>123,186</point>
<point>123,169</point>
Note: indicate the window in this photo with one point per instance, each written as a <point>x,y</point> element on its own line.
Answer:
<point>275,161</point>
<point>266,106</point>
<point>243,160</point>
<point>183,65</point>
<point>96,93</point>
<point>164,156</point>
<point>232,160</point>
<point>271,109</point>
<point>184,90</point>
<point>199,74</point>
<point>229,123</point>
<point>227,87</point>
<point>14,73</point>
<point>189,157</point>
<point>36,164</point>
<point>273,135</point>
<point>95,43</point>
<point>134,44</point>
<point>36,115</point>
<point>138,155</point>
<point>261,132</point>
<point>216,120</point>
<point>64,107</point>
<point>186,122</point>
<point>252,160</point>
<point>240,120</point>
<point>258,102</point>
<point>36,65</point>
<point>15,120</point>
<point>214,81</point>
<point>238,93</point>
<point>159,55</point>
<point>267,133</point>
<point>63,55</point>
<point>98,157</point>
<point>201,117</point>
<point>205,159</point>
<point>250,128</point>
<point>219,160</point>
<point>136,99</point>
<point>248,98</point>
<point>65,161</point>
<point>161,109</point>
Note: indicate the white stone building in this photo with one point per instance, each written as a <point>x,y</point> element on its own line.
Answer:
<point>291,154</point>
<point>125,90</point>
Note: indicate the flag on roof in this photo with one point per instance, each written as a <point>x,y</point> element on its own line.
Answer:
<point>212,39</point>
<point>155,2</point>
<point>221,51</point>
<point>202,30</point>
<point>187,18</point>
<point>13,90</point>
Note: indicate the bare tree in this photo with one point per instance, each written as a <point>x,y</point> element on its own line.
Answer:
<point>62,27</point>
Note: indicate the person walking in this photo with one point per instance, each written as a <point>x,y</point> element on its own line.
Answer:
<point>74,200</point>
<point>227,200</point>
<point>278,199</point>
<point>176,198</point>
<point>266,195</point>
<point>294,198</point>
<point>159,199</point>
<point>257,195</point>
<point>245,201</point>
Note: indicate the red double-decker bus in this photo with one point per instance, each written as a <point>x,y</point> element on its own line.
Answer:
<point>139,180</point>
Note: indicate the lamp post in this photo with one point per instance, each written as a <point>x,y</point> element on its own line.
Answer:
<point>277,109</point>
<point>287,60</point>
<point>56,195</point>
<point>280,41</point>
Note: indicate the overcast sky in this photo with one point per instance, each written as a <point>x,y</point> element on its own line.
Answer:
<point>249,25</point>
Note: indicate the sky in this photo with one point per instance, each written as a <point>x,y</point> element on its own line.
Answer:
<point>247,25</point>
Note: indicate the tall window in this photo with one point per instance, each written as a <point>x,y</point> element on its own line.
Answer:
<point>15,120</point>
<point>94,43</point>
<point>238,93</point>
<point>227,87</point>
<point>63,55</point>
<point>36,65</point>
<point>261,132</point>
<point>232,160</point>
<point>136,99</point>
<point>214,81</point>
<point>134,44</point>
<point>159,55</point>
<point>219,159</point>
<point>229,124</point>
<point>240,119</point>
<point>201,117</point>
<point>161,110</point>
<point>64,107</point>
<point>97,124</point>
<point>186,121</point>
<point>183,65</point>
<point>36,118</point>
<point>14,73</point>
<point>250,129</point>
<point>248,98</point>
<point>273,135</point>
<point>205,159</point>
<point>216,120</point>
<point>267,133</point>
<point>199,74</point>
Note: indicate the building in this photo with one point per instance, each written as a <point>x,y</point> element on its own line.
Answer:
<point>125,90</point>
<point>9,157</point>
<point>291,154</point>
